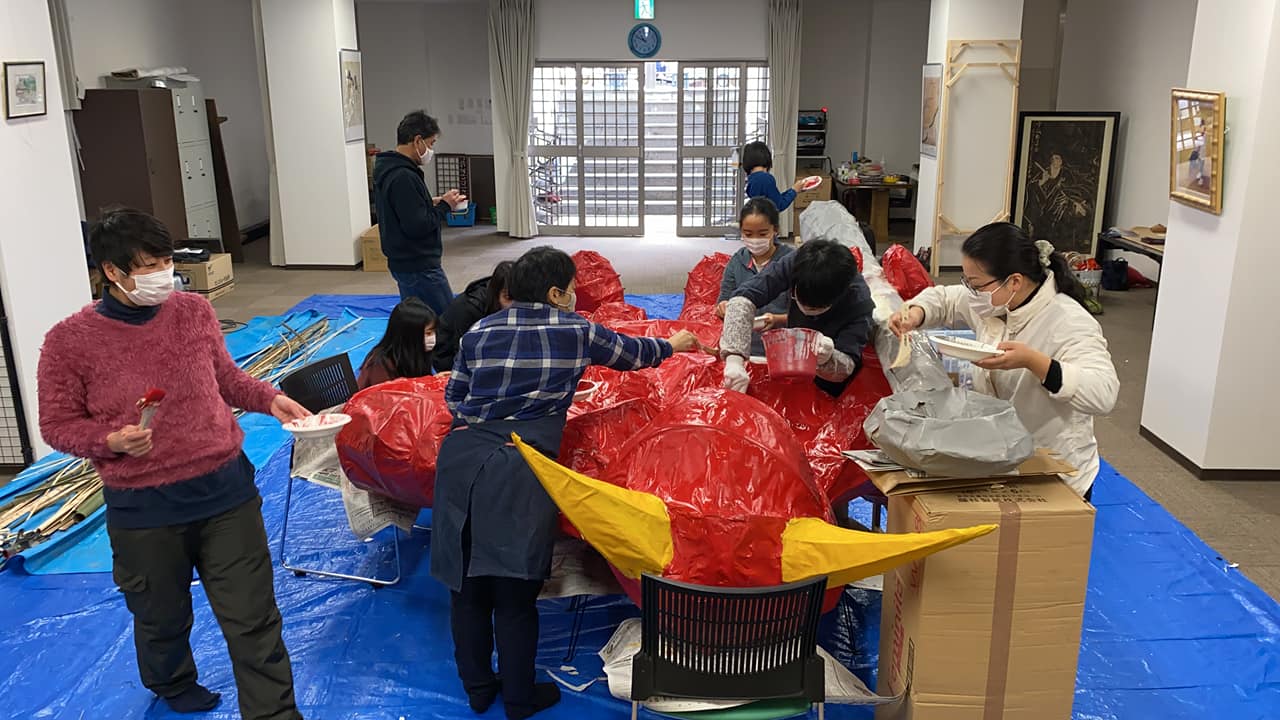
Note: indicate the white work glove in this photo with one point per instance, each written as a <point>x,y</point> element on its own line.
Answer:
<point>735,374</point>
<point>824,346</point>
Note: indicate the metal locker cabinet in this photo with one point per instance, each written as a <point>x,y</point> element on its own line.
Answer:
<point>202,222</point>
<point>189,113</point>
<point>197,175</point>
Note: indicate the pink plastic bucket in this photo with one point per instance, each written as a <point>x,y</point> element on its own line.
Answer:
<point>791,352</point>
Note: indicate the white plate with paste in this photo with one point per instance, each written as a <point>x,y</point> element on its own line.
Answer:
<point>965,349</point>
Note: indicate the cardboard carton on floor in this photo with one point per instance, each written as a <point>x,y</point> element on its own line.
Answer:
<point>822,192</point>
<point>209,275</point>
<point>219,292</point>
<point>371,250</point>
<point>988,630</point>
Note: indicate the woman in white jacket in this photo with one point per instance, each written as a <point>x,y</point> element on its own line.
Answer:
<point>1021,296</point>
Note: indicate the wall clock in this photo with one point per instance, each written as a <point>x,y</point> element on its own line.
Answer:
<point>644,40</point>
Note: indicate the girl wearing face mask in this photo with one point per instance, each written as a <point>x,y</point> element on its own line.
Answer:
<point>405,349</point>
<point>1022,297</point>
<point>758,222</point>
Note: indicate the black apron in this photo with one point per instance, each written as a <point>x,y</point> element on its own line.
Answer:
<point>483,480</point>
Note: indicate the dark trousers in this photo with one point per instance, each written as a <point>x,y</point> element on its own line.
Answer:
<point>431,286</point>
<point>505,610</point>
<point>153,568</point>
<point>488,609</point>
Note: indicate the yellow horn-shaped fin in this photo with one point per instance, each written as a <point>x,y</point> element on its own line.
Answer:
<point>630,529</point>
<point>814,547</point>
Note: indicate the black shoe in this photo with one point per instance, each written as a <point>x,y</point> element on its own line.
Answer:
<point>483,699</point>
<point>545,695</point>
<point>194,699</point>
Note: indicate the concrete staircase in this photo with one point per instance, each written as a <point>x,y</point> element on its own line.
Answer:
<point>660,152</point>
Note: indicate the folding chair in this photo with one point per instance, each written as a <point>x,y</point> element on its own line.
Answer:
<point>319,386</point>
<point>729,643</point>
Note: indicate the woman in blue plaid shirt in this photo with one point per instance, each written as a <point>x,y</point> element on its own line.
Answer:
<point>493,526</point>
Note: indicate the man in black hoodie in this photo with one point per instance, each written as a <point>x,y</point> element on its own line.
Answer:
<point>409,218</point>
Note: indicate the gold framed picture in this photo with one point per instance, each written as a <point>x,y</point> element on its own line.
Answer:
<point>1195,148</point>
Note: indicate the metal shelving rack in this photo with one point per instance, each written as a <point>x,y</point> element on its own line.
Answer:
<point>811,133</point>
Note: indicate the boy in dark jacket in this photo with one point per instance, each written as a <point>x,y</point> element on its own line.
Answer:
<point>409,218</point>
<point>828,295</point>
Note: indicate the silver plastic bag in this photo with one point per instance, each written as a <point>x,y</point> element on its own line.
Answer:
<point>951,432</point>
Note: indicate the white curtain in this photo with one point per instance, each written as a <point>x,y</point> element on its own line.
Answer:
<point>784,93</point>
<point>511,80</point>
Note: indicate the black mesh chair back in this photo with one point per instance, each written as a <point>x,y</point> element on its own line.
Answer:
<point>322,384</point>
<point>729,643</point>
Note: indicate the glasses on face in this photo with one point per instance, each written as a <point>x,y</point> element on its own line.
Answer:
<point>975,289</point>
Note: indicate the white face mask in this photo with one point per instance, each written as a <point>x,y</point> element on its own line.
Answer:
<point>429,341</point>
<point>150,289</point>
<point>982,306</point>
<point>757,246</point>
<point>426,156</point>
<point>571,304</point>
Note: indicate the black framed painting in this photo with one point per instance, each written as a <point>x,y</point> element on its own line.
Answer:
<point>1062,174</point>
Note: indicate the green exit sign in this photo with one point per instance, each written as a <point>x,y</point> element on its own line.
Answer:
<point>644,9</point>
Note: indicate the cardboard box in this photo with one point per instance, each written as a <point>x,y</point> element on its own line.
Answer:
<point>1043,463</point>
<point>371,250</point>
<point>216,293</point>
<point>988,630</point>
<point>209,275</point>
<point>822,192</point>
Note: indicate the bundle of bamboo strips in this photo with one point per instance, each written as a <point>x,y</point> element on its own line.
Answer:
<point>75,491</point>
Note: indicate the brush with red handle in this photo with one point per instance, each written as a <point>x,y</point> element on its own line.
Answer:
<point>149,404</point>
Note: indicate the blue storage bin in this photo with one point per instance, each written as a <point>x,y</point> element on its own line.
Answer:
<point>466,218</point>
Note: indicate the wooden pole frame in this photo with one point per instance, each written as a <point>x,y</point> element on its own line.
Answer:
<point>953,69</point>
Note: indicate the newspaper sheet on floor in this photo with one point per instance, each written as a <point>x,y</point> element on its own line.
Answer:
<point>843,687</point>
<point>367,513</point>
<point>577,569</point>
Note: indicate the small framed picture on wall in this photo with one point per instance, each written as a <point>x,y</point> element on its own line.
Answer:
<point>930,109</point>
<point>1195,149</point>
<point>352,95</point>
<point>24,91</point>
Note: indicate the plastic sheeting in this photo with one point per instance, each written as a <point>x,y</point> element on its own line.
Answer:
<point>1171,631</point>
<point>597,283</point>
<point>905,272</point>
<point>396,429</point>
<point>727,532</point>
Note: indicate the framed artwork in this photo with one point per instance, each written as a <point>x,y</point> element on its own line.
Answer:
<point>24,91</point>
<point>930,109</point>
<point>1195,148</point>
<point>1062,175</point>
<point>352,95</point>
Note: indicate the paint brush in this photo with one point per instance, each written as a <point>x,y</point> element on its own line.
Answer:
<point>149,404</point>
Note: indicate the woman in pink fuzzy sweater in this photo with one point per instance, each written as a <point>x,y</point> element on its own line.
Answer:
<point>180,493</point>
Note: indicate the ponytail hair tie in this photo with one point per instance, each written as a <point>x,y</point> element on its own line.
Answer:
<point>1046,251</point>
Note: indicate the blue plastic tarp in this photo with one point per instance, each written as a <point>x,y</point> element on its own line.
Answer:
<point>1171,631</point>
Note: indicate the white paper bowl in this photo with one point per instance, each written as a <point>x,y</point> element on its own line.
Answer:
<point>317,427</point>
<point>586,388</point>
